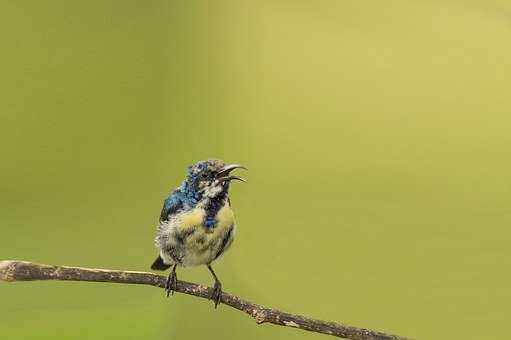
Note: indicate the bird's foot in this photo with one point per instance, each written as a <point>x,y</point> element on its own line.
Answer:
<point>171,285</point>
<point>216,294</point>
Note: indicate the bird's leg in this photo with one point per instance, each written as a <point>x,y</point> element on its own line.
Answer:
<point>216,295</point>
<point>171,284</point>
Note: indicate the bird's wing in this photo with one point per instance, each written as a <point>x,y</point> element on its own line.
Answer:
<point>171,205</point>
<point>226,242</point>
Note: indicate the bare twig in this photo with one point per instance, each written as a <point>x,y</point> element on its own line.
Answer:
<point>28,271</point>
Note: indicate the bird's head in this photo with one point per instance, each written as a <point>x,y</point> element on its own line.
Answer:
<point>210,178</point>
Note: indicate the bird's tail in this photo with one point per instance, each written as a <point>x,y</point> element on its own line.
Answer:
<point>158,264</point>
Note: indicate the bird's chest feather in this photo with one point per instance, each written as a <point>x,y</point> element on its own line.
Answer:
<point>200,242</point>
<point>197,219</point>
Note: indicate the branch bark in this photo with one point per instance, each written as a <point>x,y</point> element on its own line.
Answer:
<point>28,271</point>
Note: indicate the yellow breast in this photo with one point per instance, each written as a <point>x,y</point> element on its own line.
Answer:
<point>203,245</point>
<point>195,217</point>
<point>225,217</point>
<point>192,218</point>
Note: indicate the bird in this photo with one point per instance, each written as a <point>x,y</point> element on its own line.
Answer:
<point>197,223</point>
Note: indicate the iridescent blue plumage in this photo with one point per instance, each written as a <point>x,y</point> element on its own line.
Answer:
<point>188,195</point>
<point>172,205</point>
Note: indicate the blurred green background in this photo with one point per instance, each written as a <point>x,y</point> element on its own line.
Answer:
<point>377,134</point>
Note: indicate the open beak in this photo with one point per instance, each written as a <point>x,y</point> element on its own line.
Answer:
<point>224,174</point>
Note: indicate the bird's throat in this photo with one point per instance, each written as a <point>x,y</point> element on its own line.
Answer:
<point>213,206</point>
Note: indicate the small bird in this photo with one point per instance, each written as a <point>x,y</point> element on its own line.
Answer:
<point>197,223</point>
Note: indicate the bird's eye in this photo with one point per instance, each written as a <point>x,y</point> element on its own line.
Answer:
<point>204,175</point>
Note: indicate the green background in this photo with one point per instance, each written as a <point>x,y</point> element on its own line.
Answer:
<point>377,134</point>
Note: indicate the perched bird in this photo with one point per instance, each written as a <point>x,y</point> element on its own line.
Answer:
<point>196,222</point>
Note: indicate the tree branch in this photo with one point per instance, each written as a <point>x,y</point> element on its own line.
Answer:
<point>28,271</point>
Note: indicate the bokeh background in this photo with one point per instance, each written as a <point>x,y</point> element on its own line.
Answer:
<point>377,134</point>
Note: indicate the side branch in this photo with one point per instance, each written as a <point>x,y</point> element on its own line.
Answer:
<point>28,271</point>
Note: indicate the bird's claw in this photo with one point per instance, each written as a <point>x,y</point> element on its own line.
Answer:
<point>216,294</point>
<point>171,285</point>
